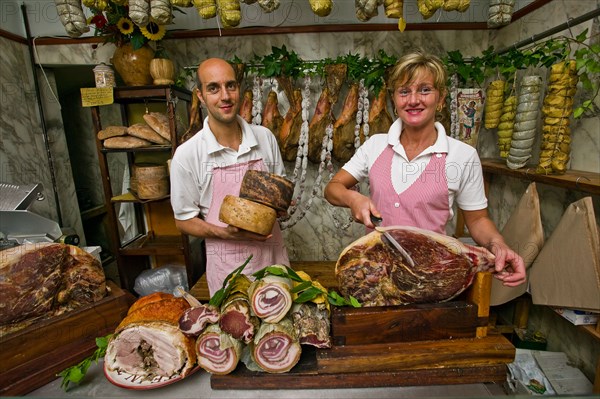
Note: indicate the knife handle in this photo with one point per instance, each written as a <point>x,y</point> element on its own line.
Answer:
<point>376,220</point>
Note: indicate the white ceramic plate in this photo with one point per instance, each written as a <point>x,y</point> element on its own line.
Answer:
<point>131,381</point>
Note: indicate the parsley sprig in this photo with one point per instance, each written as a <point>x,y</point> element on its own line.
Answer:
<point>76,373</point>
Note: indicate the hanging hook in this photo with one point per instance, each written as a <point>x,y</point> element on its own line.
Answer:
<point>577,181</point>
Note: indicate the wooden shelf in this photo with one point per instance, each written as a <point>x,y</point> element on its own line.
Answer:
<point>93,212</point>
<point>150,93</point>
<point>149,245</point>
<point>588,182</point>
<point>152,148</point>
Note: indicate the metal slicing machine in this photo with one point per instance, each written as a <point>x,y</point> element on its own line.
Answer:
<point>18,225</point>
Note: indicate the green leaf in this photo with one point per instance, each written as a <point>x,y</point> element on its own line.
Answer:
<point>578,112</point>
<point>582,36</point>
<point>308,295</point>
<point>222,293</point>
<point>301,287</point>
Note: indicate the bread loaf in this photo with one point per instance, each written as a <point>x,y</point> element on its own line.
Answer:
<point>268,189</point>
<point>143,131</point>
<point>247,215</point>
<point>125,142</point>
<point>112,131</point>
<point>159,123</point>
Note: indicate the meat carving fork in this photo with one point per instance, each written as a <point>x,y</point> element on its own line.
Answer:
<point>377,222</point>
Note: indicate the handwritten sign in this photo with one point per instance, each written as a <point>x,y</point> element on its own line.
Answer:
<point>92,96</point>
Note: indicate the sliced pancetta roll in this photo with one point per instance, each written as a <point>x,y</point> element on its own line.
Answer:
<point>270,297</point>
<point>218,352</point>
<point>276,348</point>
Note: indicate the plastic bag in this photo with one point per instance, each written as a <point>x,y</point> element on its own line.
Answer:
<point>161,279</point>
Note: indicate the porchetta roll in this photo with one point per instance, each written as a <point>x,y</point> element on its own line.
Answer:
<point>270,296</point>
<point>218,352</point>
<point>148,342</point>
<point>276,348</point>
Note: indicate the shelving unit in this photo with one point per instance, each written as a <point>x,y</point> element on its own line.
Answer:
<point>158,242</point>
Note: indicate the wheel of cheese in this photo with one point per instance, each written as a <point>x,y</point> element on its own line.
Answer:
<point>267,188</point>
<point>248,215</point>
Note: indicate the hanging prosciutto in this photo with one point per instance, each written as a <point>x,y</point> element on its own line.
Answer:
<point>271,118</point>
<point>246,107</point>
<point>343,129</point>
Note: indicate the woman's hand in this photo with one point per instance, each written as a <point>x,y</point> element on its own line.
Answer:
<point>509,266</point>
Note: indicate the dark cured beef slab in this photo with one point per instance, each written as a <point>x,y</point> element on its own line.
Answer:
<point>30,277</point>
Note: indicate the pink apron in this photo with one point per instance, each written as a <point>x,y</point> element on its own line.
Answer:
<point>223,256</point>
<point>424,204</point>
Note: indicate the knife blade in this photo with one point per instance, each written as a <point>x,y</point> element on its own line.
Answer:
<point>377,222</point>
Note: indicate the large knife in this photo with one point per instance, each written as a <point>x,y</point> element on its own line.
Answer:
<point>377,222</point>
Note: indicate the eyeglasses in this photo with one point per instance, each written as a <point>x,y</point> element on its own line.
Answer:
<point>422,91</point>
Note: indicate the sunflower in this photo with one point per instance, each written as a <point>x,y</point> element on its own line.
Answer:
<point>153,31</point>
<point>125,26</point>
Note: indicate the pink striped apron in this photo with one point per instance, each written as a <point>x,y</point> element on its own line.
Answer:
<point>424,204</point>
<point>223,256</point>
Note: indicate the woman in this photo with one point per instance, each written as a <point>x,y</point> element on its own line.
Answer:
<point>416,171</point>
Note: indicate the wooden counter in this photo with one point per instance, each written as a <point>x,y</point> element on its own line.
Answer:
<point>426,344</point>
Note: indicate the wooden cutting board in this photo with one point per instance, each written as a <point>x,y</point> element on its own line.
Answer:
<point>33,356</point>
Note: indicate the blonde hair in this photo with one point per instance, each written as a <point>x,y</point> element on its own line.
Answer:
<point>411,65</point>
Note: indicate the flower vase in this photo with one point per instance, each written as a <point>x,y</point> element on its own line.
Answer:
<point>470,104</point>
<point>162,71</point>
<point>133,66</point>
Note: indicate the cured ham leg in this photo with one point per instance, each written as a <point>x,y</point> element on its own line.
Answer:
<point>246,107</point>
<point>318,125</point>
<point>335,76</point>
<point>343,129</point>
<point>148,342</point>
<point>218,353</point>
<point>289,134</point>
<point>271,118</point>
<point>380,119</point>
<point>370,270</point>
<point>270,297</point>
<point>276,348</point>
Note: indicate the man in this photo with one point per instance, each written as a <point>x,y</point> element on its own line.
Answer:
<point>211,165</point>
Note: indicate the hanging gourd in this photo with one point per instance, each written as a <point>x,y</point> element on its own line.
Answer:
<point>506,125</point>
<point>207,9</point>
<point>493,105</point>
<point>322,8</point>
<point>526,118</point>
<point>557,109</point>
<point>500,13</point>
<point>229,12</point>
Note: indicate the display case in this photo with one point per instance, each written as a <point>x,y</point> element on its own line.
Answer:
<point>142,232</point>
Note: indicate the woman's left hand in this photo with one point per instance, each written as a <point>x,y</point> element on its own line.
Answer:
<point>509,266</point>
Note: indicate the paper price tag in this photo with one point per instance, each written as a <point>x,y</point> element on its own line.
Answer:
<point>92,96</point>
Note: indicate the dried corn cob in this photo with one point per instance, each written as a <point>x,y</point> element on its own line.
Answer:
<point>493,105</point>
<point>557,109</point>
<point>526,119</point>
<point>506,125</point>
